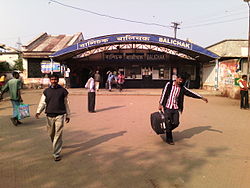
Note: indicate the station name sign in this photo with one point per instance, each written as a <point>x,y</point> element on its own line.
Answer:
<point>135,38</point>
<point>135,56</point>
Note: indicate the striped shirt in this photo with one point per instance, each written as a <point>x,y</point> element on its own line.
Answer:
<point>173,96</point>
<point>172,100</point>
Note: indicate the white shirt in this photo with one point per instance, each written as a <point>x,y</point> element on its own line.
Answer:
<point>67,73</point>
<point>90,85</point>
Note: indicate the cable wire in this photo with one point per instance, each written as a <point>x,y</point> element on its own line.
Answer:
<point>108,16</point>
<point>213,23</point>
<point>212,18</point>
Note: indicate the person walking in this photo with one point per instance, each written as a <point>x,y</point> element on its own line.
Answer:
<point>90,85</point>
<point>110,79</point>
<point>55,102</point>
<point>120,80</point>
<point>171,103</point>
<point>97,79</point>
<point>244,85</point>
<point>14,87</point>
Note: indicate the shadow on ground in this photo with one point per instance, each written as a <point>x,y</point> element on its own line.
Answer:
<point>188,133</point>
<point>109,108</point>
<point>93,142</point>
<point>122,166</point>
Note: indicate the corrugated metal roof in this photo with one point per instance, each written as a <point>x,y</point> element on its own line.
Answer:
<point>8,49</point>
<point>45,43</point>
<point>230,48</point>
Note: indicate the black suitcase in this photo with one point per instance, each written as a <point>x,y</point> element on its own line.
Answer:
<point>158,122</point>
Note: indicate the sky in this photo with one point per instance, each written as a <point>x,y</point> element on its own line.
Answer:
<point>204,22</point>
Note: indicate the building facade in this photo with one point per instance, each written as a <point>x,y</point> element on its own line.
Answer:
<point>232,64</point>
<point>147,60</point>
<point>9,54</point>
<point>36,55</point>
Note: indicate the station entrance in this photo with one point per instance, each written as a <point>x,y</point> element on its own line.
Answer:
<point>147,61</point>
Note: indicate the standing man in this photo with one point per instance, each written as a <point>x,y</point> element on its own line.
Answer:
<point>14,88</point>
<point>97,79</point>
<point>67,78</point>
<point>90,85</point>
<point>244,92</point>
<point>55,102</point>
<point>171,103</point>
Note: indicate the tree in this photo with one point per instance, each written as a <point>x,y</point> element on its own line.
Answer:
<point>5,66</point>
<point>18,64</point>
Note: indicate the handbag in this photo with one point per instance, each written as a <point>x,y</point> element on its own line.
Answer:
<point>23,111</point>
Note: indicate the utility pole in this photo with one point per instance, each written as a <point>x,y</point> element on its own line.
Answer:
<point>175,26</point>
<point>248,57</point>
<point>19,44</point>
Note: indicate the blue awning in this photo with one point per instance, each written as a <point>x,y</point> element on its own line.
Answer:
<point>185,47</point>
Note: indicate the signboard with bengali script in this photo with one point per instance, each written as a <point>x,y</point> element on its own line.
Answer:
<point>134,38</point>
<point>48,67</point>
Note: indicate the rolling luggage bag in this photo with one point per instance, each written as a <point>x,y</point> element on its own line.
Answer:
<point>158,122</point>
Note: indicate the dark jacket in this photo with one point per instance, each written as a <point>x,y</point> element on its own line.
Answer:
<point>55,100</point>
<point>183,91</point>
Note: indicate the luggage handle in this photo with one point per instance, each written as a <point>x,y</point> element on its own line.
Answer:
<point>161,112</point>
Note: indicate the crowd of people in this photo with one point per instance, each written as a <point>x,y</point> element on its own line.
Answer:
<point>54,101</point>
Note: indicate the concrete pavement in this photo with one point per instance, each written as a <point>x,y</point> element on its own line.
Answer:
<point>116,147</point>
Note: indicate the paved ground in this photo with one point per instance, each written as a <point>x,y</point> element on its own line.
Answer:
<point>116,147</point>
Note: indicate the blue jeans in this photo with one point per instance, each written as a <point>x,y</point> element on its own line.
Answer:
<point>15,105</point>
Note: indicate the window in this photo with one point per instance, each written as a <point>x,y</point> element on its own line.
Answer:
<point>161,72</point>
<point>133,72</point>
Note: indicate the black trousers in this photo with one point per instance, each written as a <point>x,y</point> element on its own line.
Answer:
<point>120,86</point>
<point>244,99</point>
<point>173,116</point>
<point>91,101</point>
<point>67,80</point>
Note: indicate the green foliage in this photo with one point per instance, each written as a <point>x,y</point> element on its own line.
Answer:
<point>18,64</point>
<point>5,66</point>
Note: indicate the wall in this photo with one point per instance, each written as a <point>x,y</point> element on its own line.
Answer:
<point>10,58</point>
<point>208,77</point>
<point>227,75</point>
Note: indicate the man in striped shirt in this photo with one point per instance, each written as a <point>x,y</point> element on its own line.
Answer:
<point>171,103</point>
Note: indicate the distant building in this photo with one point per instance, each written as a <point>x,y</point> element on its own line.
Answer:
<point>36,54</point>
<point>9,54</point>
<point>231,66</point>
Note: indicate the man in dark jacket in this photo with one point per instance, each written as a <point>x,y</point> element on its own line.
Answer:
<point>171,103</point>
<point>55,102</point>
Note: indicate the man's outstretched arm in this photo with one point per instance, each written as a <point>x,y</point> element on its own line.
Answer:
<point>192,94</point>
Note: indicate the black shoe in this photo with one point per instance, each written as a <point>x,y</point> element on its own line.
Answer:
<point>170,142</point>
<point>19,122</point>
<point>14,121</point>
<point>58,158</point>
